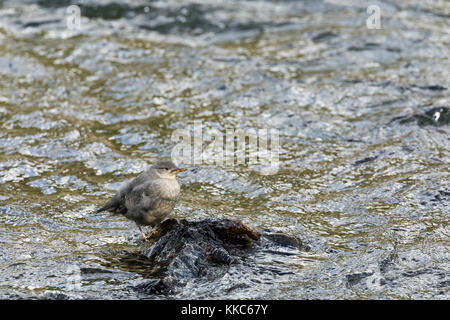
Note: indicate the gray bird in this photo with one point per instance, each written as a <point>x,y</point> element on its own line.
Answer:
<point>148,198</point>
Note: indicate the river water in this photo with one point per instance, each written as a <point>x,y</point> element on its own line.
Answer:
<point>363,120</point>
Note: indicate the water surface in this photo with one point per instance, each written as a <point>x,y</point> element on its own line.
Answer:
<point>83,110</point>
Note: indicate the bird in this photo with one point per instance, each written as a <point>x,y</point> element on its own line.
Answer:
<point>148,198</point>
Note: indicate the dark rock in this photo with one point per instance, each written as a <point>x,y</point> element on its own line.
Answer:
<point>366,46</point>
<point>355,278</point>
<point>434,88</point>
<point>34,24</point>
<point>181,251</point>
<point>285,240</point>
<point>367,159</point>
<point>435,116</point>
<point>324,36</point>
<point>108,11</point>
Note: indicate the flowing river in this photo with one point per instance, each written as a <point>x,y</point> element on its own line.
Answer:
<point>91,94</point>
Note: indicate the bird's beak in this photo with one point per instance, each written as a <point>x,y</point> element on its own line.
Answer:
<point>179,170</point>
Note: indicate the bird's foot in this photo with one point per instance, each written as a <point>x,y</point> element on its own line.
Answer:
<point>146,237</point>
<point>149,235</point>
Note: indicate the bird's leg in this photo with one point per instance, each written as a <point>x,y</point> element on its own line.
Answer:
<point>150,234</point>
<point>144,237</point>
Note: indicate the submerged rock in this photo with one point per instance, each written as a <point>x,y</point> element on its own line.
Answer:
<point>436,116</point>
<point>182,250</point>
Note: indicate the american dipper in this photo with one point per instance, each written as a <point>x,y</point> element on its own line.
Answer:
<point>148,198</point>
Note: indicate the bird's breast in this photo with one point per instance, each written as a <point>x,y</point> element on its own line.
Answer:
<point>169,188</point>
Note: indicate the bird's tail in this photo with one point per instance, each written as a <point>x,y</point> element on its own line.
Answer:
<point>114,208</point>
<point>101,209</point>
<point>108,206</point>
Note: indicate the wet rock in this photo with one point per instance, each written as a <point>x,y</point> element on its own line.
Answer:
<point>107,11</point>
<point>324,36</point>
<point>182,250</point>
<point>433,88</point>
<point>367,159</point>
<point>34,24</point>
<point>435,116</point>
<point>111,11</point>
<point>355,278</point>
<point>366,46</point>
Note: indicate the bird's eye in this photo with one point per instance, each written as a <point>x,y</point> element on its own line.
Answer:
<point>166,168</point>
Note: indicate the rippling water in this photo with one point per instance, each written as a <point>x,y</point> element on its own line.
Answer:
<point>82,110</point>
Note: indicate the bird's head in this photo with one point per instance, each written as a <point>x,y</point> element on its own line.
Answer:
<point>166,169</point>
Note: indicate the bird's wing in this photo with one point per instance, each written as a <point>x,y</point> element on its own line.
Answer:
<point>116,204</point>
<point>147,197</point>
